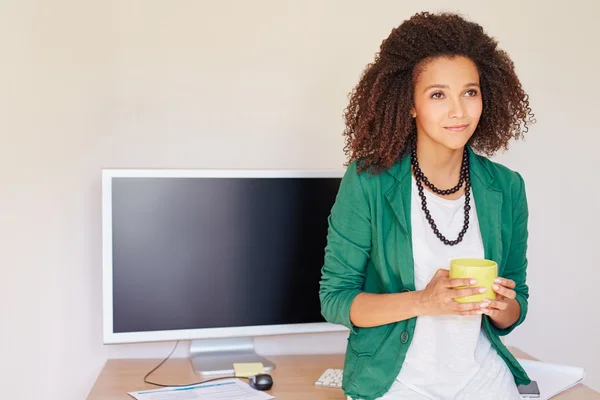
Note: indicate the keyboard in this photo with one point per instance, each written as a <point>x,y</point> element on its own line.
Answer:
<point>331,378</point>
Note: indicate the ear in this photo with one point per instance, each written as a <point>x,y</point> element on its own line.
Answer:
<point>413,112</point>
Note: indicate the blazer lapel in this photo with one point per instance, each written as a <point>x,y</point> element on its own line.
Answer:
<point>398,197</point>
<point>488,201</point>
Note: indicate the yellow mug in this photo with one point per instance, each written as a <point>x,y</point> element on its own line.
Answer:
<point>485,271</point>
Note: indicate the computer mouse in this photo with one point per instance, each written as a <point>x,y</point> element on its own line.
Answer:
<point>261,381</point>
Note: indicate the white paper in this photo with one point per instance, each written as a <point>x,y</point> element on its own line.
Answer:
<point>552,378</point>
<point>226,389</point>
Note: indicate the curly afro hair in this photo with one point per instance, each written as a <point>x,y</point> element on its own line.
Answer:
<point>379,126</point>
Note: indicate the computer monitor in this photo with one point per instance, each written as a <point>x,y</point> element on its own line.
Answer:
<point>214,256</point>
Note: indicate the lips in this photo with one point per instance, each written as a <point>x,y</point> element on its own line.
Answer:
<point>456,128</point>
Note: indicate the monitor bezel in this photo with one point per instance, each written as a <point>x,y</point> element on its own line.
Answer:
<point>111,337</point>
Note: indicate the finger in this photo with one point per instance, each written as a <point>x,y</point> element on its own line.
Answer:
<point>455,282</point>
<point>471,312</point>
<point>455,293</point>
<point>476,309</point>
<point>509,283</point>
<point>442,273</point>
<point>498,305</point>
<point>491,312</point>
<point>509,293</point>
<point>474,306</point>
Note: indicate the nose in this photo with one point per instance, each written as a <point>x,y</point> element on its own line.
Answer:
<point>456,109</point>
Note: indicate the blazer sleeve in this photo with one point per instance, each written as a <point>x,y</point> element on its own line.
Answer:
<point>516,264</point>
<point>347,250</point>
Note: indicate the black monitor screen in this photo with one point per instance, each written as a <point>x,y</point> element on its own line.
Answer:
<point>191,253</point>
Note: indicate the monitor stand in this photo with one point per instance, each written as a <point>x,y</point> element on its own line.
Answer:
<point>216,356</point>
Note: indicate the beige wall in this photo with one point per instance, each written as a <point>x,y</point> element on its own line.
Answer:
<point>262,84</point>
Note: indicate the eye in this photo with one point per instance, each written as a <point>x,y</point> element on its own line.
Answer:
<point>471,92</point>
<point>437,95</point>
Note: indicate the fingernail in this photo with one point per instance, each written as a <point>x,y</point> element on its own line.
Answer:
<point>483,305</point>
<point>479,311</point>
<point>495,287</point>
<point>482,290</point>
<point>473,281</point>
<point>488,301</point>
<point>497,280</point>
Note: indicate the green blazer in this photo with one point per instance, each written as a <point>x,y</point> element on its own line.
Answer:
<point>369,249</point>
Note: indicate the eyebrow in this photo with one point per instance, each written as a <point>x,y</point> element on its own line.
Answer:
<point>440,86</point>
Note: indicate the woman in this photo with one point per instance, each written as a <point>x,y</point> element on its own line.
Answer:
<point>414,196</point>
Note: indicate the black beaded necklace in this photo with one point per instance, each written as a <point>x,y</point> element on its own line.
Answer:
<point>465,177</point>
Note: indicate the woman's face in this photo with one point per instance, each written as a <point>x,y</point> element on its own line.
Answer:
<point>447,101</point>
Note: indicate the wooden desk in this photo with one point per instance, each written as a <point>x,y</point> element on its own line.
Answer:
<point>293,377</point>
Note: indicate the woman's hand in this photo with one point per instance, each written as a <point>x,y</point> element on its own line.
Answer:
<point>438,296</point>
<point>504,294</point>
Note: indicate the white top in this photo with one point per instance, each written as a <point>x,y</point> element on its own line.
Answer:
<point>450,357</point>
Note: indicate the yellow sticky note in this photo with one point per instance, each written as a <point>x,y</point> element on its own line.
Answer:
<point>244,370</point>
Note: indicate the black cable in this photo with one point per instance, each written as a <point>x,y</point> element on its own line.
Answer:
<point>188,384</point>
